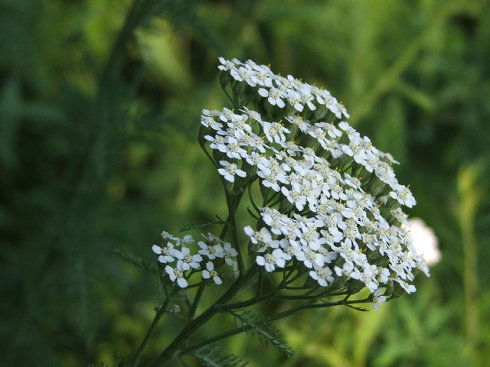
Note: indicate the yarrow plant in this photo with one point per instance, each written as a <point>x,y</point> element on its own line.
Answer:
<point>326,211</point>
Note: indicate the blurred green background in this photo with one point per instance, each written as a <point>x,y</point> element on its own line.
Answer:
<point>99,114</point>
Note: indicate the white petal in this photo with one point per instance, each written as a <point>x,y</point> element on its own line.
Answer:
<point>263,92</point>
<point>182,282</point>
<point>197,258</point>
<point>185,251</point>
<point>269,267</point>
<point>314,275</point>
<point>170,272</point>
<point>249,231</point>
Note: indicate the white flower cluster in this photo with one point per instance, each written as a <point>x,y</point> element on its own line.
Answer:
<point>339,203</point>
<point>182,262</point>
<point>281,91</point>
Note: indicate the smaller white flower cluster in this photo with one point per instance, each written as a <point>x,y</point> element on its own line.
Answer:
<point>281,91</point>
<point>182,261</point>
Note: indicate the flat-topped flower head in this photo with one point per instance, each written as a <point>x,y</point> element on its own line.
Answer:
<point>332,205</point>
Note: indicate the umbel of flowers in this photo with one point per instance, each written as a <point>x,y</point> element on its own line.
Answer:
<point>331,204</point>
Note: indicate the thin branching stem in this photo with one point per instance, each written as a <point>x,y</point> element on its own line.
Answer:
<point>293,279</point>
<point>232,206</point>
<point>157,317</point>
<point>249,190</point>
<point>197,298</point>
<point>195,324</point>
<point>259,284</point>
<point>203,147</point>
<point>285,278</point>
<point>278,316</point>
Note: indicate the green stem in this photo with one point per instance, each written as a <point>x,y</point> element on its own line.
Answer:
<point>298,297</point>
<point>298,288</point>
<point>315,305</point>
<point>280,315</point>
<point>247,303</point>
<point>203,147</point>
<point>194,325</point>
<point>297,276</point>
<point>228,95</point>
<point>249,190</point>
<point>214,339</point>
<point>157,317</point>
<point>259,284</point>
<point>285,278</point>
<point>199,293</point>
<point>232,206</point>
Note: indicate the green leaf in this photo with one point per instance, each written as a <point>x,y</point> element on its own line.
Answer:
<point>264,330</point>
<point>215,357</point>
<point>137,261</point>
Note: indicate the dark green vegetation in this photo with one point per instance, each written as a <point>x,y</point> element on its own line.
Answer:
<point>98,151</point>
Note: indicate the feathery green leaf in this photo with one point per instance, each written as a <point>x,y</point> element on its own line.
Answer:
<point>264,330</point>
<point>137,261</point>
<point>216,357</point>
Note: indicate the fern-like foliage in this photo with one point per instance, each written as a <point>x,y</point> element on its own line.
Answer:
<point>215,357</point>
<point>263,329</point>
<point>137,261</point>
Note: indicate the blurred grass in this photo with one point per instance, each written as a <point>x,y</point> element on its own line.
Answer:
<point>98,151</point>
